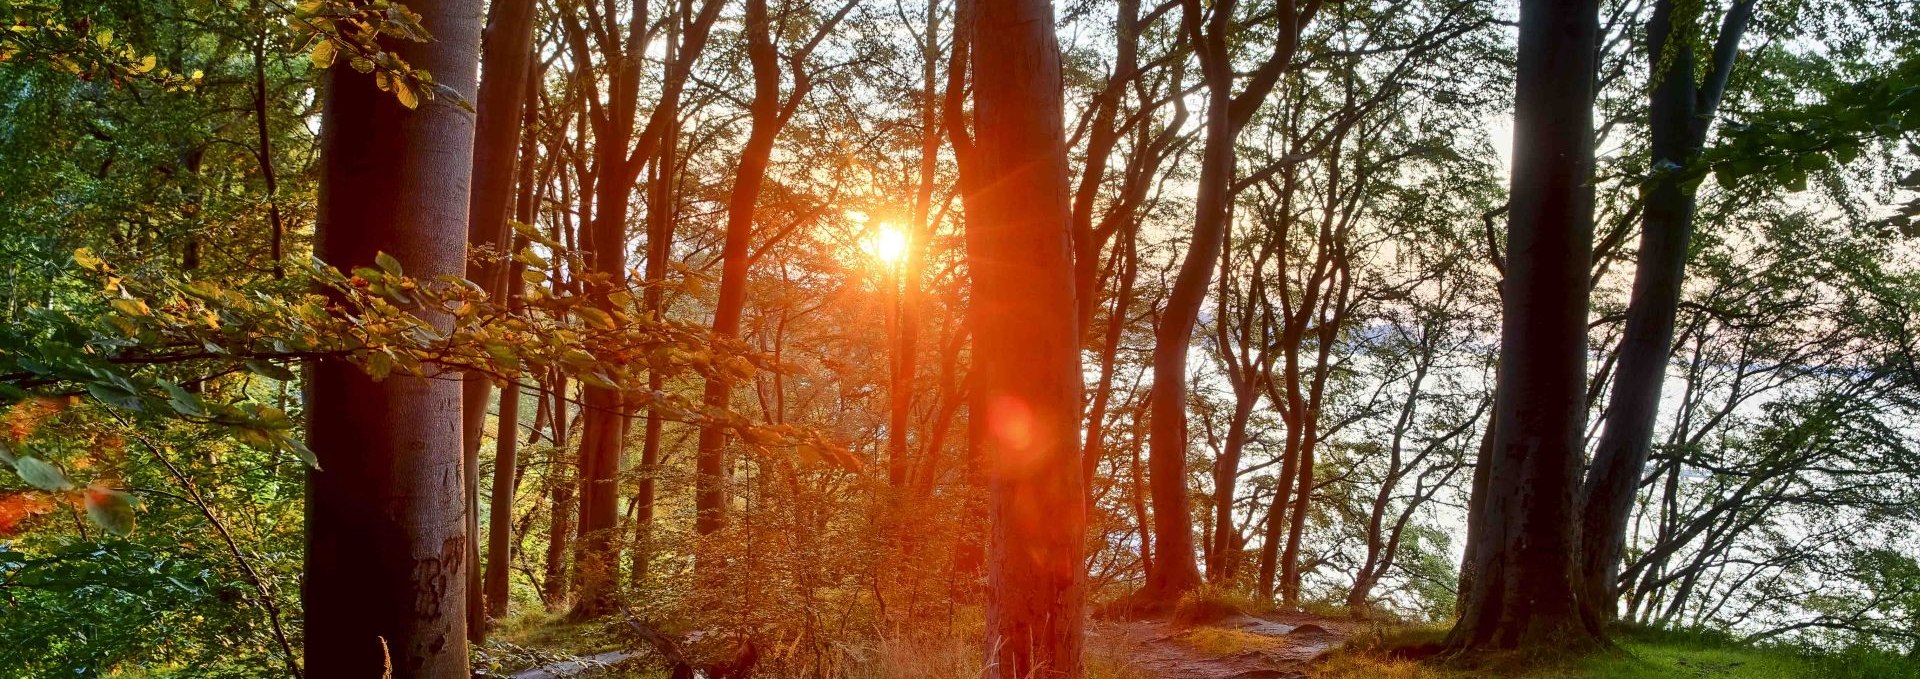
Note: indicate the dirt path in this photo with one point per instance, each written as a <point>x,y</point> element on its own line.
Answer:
<point>1271,647</point>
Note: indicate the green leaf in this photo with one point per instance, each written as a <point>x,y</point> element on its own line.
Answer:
<point>297,447</point>
<point>110,509</point>
<point>39,474</point>
<point>388,263</point>
<point>268,369</point>
<point>184,402</point>
<point>115,396</point>
<point>6,454</point>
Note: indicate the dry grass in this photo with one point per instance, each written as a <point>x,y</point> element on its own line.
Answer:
<point>1216,641</point>
<point>1212,604</point>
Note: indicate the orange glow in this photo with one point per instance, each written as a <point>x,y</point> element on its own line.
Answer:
<point>1011,423</point>
<point>887,243</point>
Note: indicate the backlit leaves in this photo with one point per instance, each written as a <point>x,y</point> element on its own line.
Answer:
<point>110,509</point>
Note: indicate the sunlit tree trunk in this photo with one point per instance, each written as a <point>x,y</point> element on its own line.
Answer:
<point>906,335</point>
<point>1525,586</point>
<point>506,456</point>
<point>506,52</point>
<point>1026,368</point>
<point>387,551</point>
<point>710,466</point>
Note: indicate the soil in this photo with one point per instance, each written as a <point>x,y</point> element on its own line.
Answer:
<point>1156,648</point>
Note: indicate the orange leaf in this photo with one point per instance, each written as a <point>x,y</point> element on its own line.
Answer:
<point>19,507</point>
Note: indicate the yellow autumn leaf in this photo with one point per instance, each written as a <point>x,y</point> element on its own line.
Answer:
<point>130,307</point>
<point>86,259</point>
<point>323,53</point>
<point>405,94</point>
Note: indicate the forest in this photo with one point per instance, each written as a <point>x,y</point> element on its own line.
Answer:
<point>954,339</point>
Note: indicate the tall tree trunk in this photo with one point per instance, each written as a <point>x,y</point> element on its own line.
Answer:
<point>606,412</point>
<point>1175,570</point>
<point>561,477</point>
<point>1679,112</point>
<point>506,53</point>
<point>387,542</point>
<point>907,331</point>
<point>506,438</point>
<point>1525,589</point>
<point>1094,443</point>
<point>1026,372</point>
<point>710,466</point>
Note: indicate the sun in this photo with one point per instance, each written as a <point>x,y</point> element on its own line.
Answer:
<point>887,243</point>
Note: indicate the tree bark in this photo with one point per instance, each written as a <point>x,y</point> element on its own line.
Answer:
<point>387,550</point>
<point>1679,112</point>
<point>1525,588</point>
<point>506,53</point>
<point>710,466</point>
<point>1026,376</point>
<point>506,455</point>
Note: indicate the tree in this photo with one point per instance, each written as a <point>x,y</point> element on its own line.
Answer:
<point>1525,589</point>
<point>506,62</point>
<point>619,156</point>
<point>387,538</point>
<point>769,113</point>
<point>1026,369</point>
<point>1176,571</point>
<point>1679,113</point>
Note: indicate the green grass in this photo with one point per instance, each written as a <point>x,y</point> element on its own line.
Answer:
<point>1640,654</point>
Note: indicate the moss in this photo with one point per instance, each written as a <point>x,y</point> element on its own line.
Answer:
<point>1407,653</point>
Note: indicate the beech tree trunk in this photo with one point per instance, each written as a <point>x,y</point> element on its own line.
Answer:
<point>1679,112</point>
<point>1175,570</point>
<point>710,493</point>
<point>506,52</point>
<point>1026,367</point>
<point>1525,589</point>
<point>560,528</point>
<point>387,540</point>
<point>506,438</point>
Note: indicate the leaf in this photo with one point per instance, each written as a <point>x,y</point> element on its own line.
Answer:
<point>269,369</point>
<point>184,402</point>
<point>39,474</point>
<point>299,447</point>
<point>130,307</point>
<point>404,92</point>
<point>19,507</point>
<point>379,365</point>
<point>110,509</point>
<point>86,259</point>
<point>323,54</point>
<point>388,264</point>
<point>595,316</point>
<point>116,396</point>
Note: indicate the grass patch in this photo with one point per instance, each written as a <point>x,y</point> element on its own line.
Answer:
<point>1641,654</point>
<point>1217,641</point>
<point>1212,604</point>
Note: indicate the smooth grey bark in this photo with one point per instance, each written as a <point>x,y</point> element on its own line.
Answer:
<point>387,543</point>
<point>1525,590</point>
<point>1679,112</point>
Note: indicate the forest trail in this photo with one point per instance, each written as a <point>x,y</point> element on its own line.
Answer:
<point>1275,646</point>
